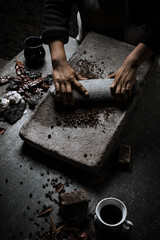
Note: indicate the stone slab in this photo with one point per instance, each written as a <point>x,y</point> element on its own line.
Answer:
<point>84,147</point>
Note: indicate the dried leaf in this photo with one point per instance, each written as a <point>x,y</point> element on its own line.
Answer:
<point>59,187</point>
<point>53,225</point>
<point>2,130</point>
<point>58,230</point>
<point>45,211</point>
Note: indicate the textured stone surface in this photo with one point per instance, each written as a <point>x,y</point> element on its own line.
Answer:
<point>84,147</point>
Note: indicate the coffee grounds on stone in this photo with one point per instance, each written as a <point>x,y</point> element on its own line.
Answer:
<point>88,69</point>
<point>82,115</point>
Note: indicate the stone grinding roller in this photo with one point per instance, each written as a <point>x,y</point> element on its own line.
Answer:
<point>99,90</point>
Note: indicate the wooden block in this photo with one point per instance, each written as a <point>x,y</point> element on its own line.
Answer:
<point>74,205</point>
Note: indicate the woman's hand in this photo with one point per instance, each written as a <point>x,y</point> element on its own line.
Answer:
<point>65,78</point>
<point>125,77</point>
<point>124,80</point>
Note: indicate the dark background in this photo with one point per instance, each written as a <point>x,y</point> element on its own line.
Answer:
<point>20,19</point>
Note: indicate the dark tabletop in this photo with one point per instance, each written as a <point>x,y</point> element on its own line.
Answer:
<point>26,174</point>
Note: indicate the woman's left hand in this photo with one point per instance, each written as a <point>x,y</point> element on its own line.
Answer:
<point>124,80</point>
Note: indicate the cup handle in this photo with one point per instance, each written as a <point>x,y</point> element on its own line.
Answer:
<point>127,226</point>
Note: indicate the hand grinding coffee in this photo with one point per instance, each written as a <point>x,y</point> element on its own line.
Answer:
<point>111,214</point>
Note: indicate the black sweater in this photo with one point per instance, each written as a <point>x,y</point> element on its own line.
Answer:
<point>57,15</point>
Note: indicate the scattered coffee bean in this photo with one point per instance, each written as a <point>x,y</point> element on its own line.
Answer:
<point>49,136</point>
<point>31,218</point>
<point>6,181</point>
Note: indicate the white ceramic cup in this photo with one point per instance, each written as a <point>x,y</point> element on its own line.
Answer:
<point>106,229</point>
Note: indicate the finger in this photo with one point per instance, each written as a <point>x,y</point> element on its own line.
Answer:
<point>129,88</point>
<point>80,87</point>
<point>79,77</point>
<point>63,93</point>
<point>57,87</point>
<point>113,87</point>
<point>118,93</point>
<point>69,94</point>
<point>123,91</point>
<point>112,75</point>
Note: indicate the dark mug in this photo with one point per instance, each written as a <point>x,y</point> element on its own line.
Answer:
<point>34,52</point>
<point>110,218</point>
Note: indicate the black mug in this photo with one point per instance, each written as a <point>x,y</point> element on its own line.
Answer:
<point>34,52</point>
<point>110,218</point>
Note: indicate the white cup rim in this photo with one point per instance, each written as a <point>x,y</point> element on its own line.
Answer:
<point>118,203</point>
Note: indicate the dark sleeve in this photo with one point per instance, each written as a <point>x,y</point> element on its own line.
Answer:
<point>151,36</point>
<point>56,20</point>
<point>148,13</point>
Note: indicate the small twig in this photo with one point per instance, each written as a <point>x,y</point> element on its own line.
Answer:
<point>53,225</point>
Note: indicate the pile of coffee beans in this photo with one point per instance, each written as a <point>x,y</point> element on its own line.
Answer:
<point>88,69</point>
<point>83,115</point>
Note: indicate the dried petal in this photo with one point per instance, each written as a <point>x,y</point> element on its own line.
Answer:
<point>53,225</point>
<point>2,130</point>
<point>84,236</point>
<point>59,187</point>
<point>45,211</point>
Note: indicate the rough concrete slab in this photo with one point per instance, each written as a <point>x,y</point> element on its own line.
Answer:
<point>84,146</point>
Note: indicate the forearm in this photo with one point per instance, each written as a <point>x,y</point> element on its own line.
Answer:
<point>57,51</point>
<point>139,55</point>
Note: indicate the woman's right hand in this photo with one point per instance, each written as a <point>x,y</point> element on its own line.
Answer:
<point>66,78</point>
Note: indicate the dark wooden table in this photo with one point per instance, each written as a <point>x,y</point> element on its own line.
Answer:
<point>26,174</point>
